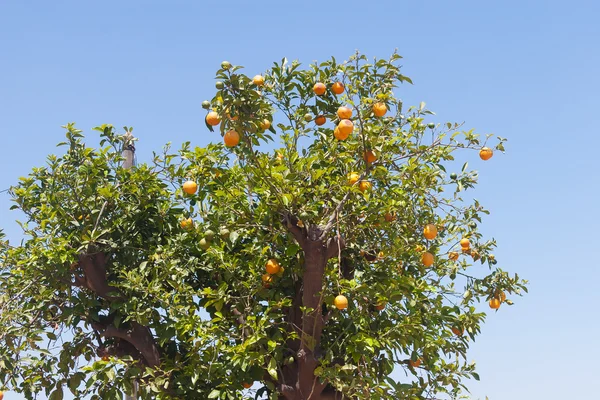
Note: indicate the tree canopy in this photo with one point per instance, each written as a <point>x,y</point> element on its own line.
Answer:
<point>324,250</point>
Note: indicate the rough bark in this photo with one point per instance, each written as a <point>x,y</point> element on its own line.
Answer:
<point>298,381</point>
<point>93,268</point>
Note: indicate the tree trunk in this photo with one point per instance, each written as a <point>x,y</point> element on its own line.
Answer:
<point>298,381</point>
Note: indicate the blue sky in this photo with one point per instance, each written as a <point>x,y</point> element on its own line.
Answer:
<point>525,70</point>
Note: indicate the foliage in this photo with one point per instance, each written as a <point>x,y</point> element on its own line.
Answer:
<point>110,286</point>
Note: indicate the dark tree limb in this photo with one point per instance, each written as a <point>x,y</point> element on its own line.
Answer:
<point>138,335</point>
<point>334,247</point>
<point>94,276</point>
<point>291,224</point>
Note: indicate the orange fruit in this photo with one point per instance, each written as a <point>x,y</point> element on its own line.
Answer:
<point>389,217</point>
<point>416,363</point>
<point>344,112</point>
<point>340,302</point>
<point>212,118</point>
<point>320,120</point>
<point>338,135</point>
<point>353,177</point>
<point>345,127</point>
<point>486,153</point>
<point>258,80</point>
<point>265,124</point>
<point>453,255</point>
<point>187,224</point>
<point>369,156</point>
<point>234,118</point>
<point>502,296</point>
<point>231,138</point>
<point>364,186</point>
<point>430,231</point>
<point>266,280</point>
<point>247,385</point>
<point>105,358</point>
<point>337,88</point>
<point>465,243</point>
<point>319,88</point>
<point>457,331</point>
<point>379,109</point>
<point>272,266</point>
<point>495,303</point>
<point>380,306</point>
<point>190,187</point>
<point>1,395</point>
<point>427,259</point>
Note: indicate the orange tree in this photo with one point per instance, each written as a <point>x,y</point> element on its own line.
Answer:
<point>338,261</point>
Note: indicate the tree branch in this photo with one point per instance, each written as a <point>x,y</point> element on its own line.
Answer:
<point>138,335</point>
<point>290,223</point>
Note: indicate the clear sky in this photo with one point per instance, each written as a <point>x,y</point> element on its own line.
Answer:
<point>525,70</point>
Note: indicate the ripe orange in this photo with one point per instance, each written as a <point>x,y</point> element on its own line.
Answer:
<point>390,217</point>
<point>486,153</point>
<point>380,306</point>
<point>187,224</point>
<point>212,118</point>
<point>341,302</point>
<point>337,88</point>
<point>353,178</point>
<point>247,385</point>
<point>453,255</point>
<point>265,124</point>
<point>344,112</point>
<point>190,187</point>
<point>369,156</point>
<point>364,186</point>
<point>319,88</point>
<point>338,135</point>
<point>430,231</point>
<point>415,364</point>
<point>457,331</point>
<point>272,266</point>
<point>495,303</point>
<point>427,259</point>
<point>502,296</point>
<point>105,358</point>
<point>258,80</point>
<point>345,127</point>
<point>379,109</point>
<point>320,120</point>
<point>1,395</point>
<point>266,280</point>
<point>465,243</point>
<point>231,138</point>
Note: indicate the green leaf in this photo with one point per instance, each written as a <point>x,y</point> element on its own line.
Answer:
<point>272,368</point>
<point>57,394</point>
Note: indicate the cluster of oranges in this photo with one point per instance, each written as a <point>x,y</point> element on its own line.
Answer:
<point>345,126</point>
<point>273,268</point>
<point>231,138</point>
<point>497,300</point>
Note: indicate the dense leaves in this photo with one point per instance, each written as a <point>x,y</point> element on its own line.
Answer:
<point>124,277</point>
